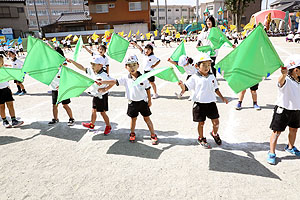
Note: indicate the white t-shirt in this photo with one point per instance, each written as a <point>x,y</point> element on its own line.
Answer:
<point>134,39</point>
<point>289,94</point>
<point>162,37</point>
<point>204,88</point>
<point>152,38</point>
<point>137,92</point>
<point>204,41</point>
<point>17,63</point>
<point>1,48</point>
<point>96,40</point>
<point>149,61</point>
<point>290,36</point>
<point>5,48</point>
<point>143,37</point>
<point>68,42</point>
<point>90,40</point>
<point>4,85</point>
<point>190,69</point>
<point>63,41</point>
<point>21,46</point>
<point>55,82</point>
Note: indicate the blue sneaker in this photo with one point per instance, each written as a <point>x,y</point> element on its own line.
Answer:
<point>256,107</point>
<point>17,93</point>
<point>238,106</point>
<point>271,158</point>
<point>293,150</point>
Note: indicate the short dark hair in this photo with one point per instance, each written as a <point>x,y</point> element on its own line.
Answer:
<point>213,21</point>
<point>102,46</point>
<point>190,60</point>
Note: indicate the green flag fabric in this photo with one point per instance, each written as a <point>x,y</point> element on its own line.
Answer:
<point>72,84</point>
<point>217,38</point>
<point>42,63</point>
<point>165,73</point>
<point>249,63</point>
<point>30,42</point>
<point>117,47</point>
<point>179,51</point>
<point>206,49</point>
<point>78,48</point>
<point>8,74</point>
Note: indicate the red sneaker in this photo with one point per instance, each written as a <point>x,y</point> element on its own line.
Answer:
<point>90,126</point>
<point>154,140</point>
<point>107,130</point>
<point>132,137</point>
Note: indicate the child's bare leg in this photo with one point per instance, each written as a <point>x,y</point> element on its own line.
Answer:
<point>11,109</point>
<point>150,125</point>
<point>254,95</point>
<point>2,111</point>
<point>200,129</point>
<point>132,124</point>
<point>292,137</point>
<point>105,118</point>
<point>94,116</point>
<point>55,111</point>
<point>241,95</point>
<point>273,141</point>
<point>153,85</point>
<point>69,111</point>
<point>215,123</point>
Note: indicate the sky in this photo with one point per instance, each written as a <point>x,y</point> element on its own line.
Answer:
<point>193,2</point>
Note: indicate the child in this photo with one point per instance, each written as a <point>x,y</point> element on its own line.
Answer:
<point>69,45</point>
<point>134,39</point>
<point>142,40</point>
<point>90,42</point>
<point>96,40</point>
<point>152,38</point>
<point>54,87</point>
<point>168,40</point>
<point>6,98</point>
<point>149,63</point>
<point>101,52</point>
<point>139,97</point>
<point>100,100</point>
<point>204,85</point>
<point>21,49</point>
<point>163,39</point>
<point>287,109</point>
<point>16,63</point>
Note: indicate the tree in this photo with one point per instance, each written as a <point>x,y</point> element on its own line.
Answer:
<point>237,8</point>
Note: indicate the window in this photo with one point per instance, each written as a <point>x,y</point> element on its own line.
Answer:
<point>135,6</point>
<point>39,12</point>
<point>4,12</point>
<point>32,23</point>
<point>101,8</point>
<point>44,22</point>
<point>111,5</point>
<point>161,10</point>
<point>169,10</point>
<point>184,9</point>
<point>59,2</point>
<point>177,10</point>
<point>77,2</point>
<point>37,2</point>
<point>20,10</point>
<point>58,12</point>
<point>210,7</point>
<point>77,11</point>
<point>162,18</point>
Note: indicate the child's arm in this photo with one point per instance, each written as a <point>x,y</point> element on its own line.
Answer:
<point>155,64</point>
<point>149,97</point>
<point>88,50</point>
<point>105,89</point>
<point>221,96</point>
<point>137,46</point>
<point>172,62</point>
<point>110,82</point>
<point>107,69</point>
<point>79,66</point>
<point>281,80</point>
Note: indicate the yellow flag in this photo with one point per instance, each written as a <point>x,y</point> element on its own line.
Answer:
<point>95,36</point>
<point>248,26</point>
<point>54,39</point>
<point>222,27</point>
<point>122,33</point>
<point>75,38</point>
<point>155,33</point>
<point>232,27</point>
<point>129,34</point>
<point>202,25</point>
<point>69,36</point>
<point>177,35</point>
<point>138,32</point>
<point>148,35</point>
<point>167,31</point>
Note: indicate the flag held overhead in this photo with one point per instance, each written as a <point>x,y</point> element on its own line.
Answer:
<point>117,48</point>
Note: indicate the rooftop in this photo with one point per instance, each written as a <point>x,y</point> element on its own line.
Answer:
<point>73,16</point>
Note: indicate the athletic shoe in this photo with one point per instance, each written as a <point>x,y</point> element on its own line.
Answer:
<point>107,130</point>
<point>6,124</point>
<point>293,150</point>
<point>71,122</point>
<point>17,93</point>
<point>271,158</point>
<point>203,143</point>
<point>238,106</point>
<point>256,107</point>
<point>132,137</point>
<point>90,126</point>
<point>154,96</point>
<point>16,123</point>
<point>178,95</point>
<point>22,93</point>
<point>54,121</point>
<point>154,140</point>
<point>216,138</point>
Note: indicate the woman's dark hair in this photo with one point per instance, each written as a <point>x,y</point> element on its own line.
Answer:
<point>58,49</point>
<point>213,21</point>
<point>149,46</point>
<point>103,47</point>
<point>190,60</point>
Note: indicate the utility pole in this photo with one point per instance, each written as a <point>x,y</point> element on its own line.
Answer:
<point>157,14</point>
<point>197,11</point>
<point>266,4</point>
<point>166,11</point>
<point>37,18</point>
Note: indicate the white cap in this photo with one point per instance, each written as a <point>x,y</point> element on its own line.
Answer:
<point>131,59</point>
<point>201,57</point>
<point>12,50</point>
<point>292,61</point>
<point>98,60</point>
<point>183,60</point>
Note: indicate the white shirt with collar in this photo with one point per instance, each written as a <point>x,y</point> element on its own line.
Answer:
<point>204,88</point>
<point>55,82</point>
<point>289,94</point>
<point>16,63</point>
<point>137,92</point>
<point>149,61</point>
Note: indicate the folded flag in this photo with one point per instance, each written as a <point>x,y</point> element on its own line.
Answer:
<point>179,51</point>
<point>78,48</point>
<point>9,74</point>
<point>117,47</point>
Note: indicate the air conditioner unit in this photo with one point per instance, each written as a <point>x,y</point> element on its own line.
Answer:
<point>86,13</point>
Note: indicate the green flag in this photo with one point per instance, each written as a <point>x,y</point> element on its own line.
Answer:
<point>42,63</point>
<point>179,51</point>
<point>247,65</point>
<point>165,73</point>
<point>77,48</point>
<point>206,49</point>
<point>217,38</point>
<point>117,47</point>
<point>8,74</point>
<point>30,42</point>
<point>72,84</point>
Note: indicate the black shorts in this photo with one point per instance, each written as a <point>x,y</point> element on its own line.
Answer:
<point>101,105</point>
<point>142,41</point>
<point>168,41</point>
<point>65,45</point>
<point>151,79</point>
<point>54,98</point>
<point>96,43</point>
<point>163,41</point>
<point>2,53</point>
<point>5,95</point>
<point>91,44</point>
<point>283,118</point>
<point>15,81</point>
<point>136,107</point>
<point>203,110</point>
<point>254,87</point>
<point>69,46</point>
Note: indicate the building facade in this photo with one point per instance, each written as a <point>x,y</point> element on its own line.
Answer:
<point>49,10</point>
<point>12,15</point>
<point>174,14</point>
<point>286,5</point>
